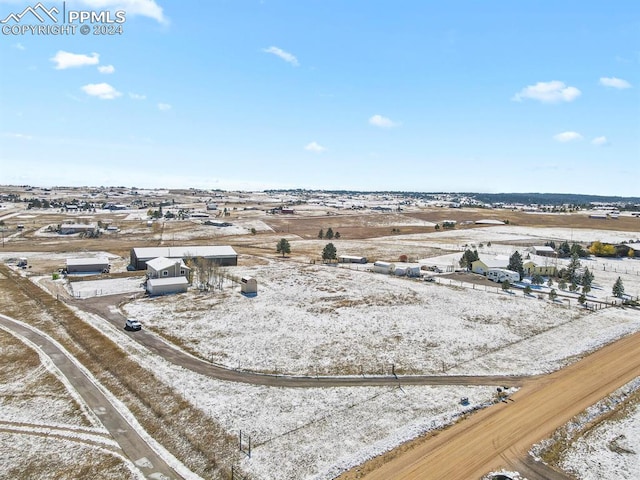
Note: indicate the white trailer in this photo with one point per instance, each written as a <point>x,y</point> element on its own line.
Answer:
<point>502,274</point>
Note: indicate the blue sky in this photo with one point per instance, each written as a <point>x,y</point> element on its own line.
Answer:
<point>492,96</point>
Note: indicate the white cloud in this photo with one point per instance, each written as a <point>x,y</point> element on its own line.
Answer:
<point>614,82</point>
<point>286,56</point>
<point>164,107</point>
<point>20,136</point>
<point>315,147</point>
<point>101,90</point>
<point>145,8</point>
<point>599,141</point>
<point>19,46</point>
<point>567,137</point>
<point>548,92</point>
<point>383,122</point>
<point>64,59</point>
<point>137,96</point>
<point>106,69</point>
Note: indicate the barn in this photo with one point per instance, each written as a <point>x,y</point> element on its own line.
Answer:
<point>88,265</point>
<point>223,255</point>
<point>165,286</point>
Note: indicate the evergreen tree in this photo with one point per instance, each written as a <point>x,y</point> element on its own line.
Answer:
<point>537,279</point>
<point>283,247</point>
<point>515,264</point>
<point>329,234</point>
<point>618,288</point>
<point>562,285</point>
<point>337,235</point>
<point>572,268</point>
<point>321,234</point>
<point>329,252</point>
<point>468,257</point>
<point>564,250</point>
<point>527,290</point>
<point>506,285</point>
<point>587,278</point>
<point>553,295</point>
<point>582,299</point>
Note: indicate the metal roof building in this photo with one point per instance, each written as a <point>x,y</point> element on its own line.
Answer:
<point>164,286</point>
<point>83,265</point>
<point>223,255</point>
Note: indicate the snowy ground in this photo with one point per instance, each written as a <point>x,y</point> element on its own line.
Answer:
<point>307,319</point>
<point>46,430</point>
<point>97,288</point>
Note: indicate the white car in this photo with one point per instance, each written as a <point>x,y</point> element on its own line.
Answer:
<point>132,325</point>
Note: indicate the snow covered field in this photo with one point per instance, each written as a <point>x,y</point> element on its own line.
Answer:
<point>309,319</point>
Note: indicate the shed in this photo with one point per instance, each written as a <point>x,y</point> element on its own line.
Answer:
<point>543,251</point>
<point>383,267</point>
<point>351,259</point>
<point>88,265</point>
<point>165,286</point>
<point>71,228</point>
<point>248,285</point>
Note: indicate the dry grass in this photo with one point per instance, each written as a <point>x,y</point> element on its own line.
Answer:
<point>184,430</point>
<point>563,438</point>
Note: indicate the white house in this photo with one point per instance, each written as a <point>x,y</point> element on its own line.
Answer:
<point>163,267</point>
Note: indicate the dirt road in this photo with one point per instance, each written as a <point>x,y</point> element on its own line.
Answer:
<point>132,444</point>
<point>102,306</point>
<point>500,436</point>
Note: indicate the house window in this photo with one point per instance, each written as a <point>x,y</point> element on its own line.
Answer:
<point>165,273</point>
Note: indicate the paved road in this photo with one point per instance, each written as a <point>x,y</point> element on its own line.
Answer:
<point>132,444</point>
<point>500,436</point>
<point>101,306</point>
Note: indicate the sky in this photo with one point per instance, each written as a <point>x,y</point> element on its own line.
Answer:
<point>415,95</point>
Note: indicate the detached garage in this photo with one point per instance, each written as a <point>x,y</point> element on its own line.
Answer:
<point>165,286</point>
<point>88,265</point>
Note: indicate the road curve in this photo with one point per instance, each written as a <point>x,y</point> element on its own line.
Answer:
<point>130,441</point>
<point>101,306</point>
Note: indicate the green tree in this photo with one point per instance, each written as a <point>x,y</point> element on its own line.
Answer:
<point>437,226</point>
<point>329,252</point>
<point>506,285</point>
<point>515,263</point>
<point>553,295</point>
<point>572,268</point>
<point>283,247</point>
<point>586,289</point>
<point>618,288</point>
<point>337,235</point>
<point>468,257</point>
<point>550,282</point>
<point>253,231</point>
<point>564,250</point>
<point>321,234</point>
<point>537,279</point>
<point>329,234</point>
<point>582,299</point>
<point>587,278</point>
<point>527,290</point>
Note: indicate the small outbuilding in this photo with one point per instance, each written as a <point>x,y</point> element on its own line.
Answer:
<point>383,267</point>
<point>351,259</point>
<point>165,286</point>
<point>543,251</point>
<point>249,285</point>
<point>88,265</point>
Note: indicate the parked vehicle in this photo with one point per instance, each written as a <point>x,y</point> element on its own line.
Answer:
<point>132,325</point>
